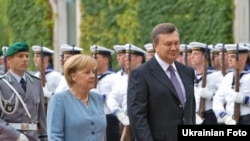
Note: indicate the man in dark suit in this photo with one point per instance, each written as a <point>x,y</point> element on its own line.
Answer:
<point>155,106</point>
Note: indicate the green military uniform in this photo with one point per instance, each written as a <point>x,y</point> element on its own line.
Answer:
<point>21,111</point>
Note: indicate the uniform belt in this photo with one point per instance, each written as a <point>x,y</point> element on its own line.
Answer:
<point>23,126</point>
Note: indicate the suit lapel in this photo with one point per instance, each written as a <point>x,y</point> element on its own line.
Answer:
<point>184,77</point>
<point>160,75</point>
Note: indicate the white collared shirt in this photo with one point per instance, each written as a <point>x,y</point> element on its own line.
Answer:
<point>165,66</point>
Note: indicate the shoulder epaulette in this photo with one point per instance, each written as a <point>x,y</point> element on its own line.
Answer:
<point>2,76</point>
<point>33,76</point>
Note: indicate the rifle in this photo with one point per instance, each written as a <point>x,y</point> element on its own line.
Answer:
<point>223,67</point>
<point>42,69</point>
<point>212,55</point>
<point>126,129</point>
<point>236,88</point>
<point>96,73</point>
<point>4,50</point>
<point>125,133</point>
<point>42,74</point>
<point>203,84</point>
<point>129,60</point>
<point>186,54</point>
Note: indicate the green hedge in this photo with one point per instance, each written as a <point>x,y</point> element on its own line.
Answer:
<point>113,22</point>
<point>118,22</point>
<point>110,22</point>
<point>4,34</point>
<point>30,21</point>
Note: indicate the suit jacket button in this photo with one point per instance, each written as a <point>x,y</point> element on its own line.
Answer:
<point>180,105</point>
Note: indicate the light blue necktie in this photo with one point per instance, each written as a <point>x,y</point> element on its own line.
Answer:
<point>176,84</point>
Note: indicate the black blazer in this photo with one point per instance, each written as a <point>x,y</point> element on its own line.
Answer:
<point>154,109</point>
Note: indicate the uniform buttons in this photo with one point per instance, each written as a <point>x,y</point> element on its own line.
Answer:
<point>92,123</point>
<point>92,132</point>
<point>180,106</point>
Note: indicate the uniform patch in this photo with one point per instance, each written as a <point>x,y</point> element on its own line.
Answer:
<point>9,108</point>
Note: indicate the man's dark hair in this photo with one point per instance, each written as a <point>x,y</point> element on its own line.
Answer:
<point>163,28</point>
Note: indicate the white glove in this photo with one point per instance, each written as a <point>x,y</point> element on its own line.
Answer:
<point>219,120</point>
<point>22,137</point>
<point>123,118</point>
<point>238,97</point>
<point>46,92</point>
<point>199,120</point>
<point>204,93</point>
<point>228,120</point>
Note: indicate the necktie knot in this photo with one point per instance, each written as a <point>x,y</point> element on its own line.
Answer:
<point>23,84</point>
<point>171,69</point>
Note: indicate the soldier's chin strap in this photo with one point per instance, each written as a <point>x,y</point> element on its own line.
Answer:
<point>19,97</point>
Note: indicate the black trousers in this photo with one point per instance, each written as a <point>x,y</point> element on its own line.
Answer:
<point>210,118</point>
<point>112,131</point>
<point>244,120</point>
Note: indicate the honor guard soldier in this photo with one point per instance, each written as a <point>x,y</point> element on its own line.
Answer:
<point>234,88</point>
<point>180,57</point>
<point>105,78</point>
<point>21,104</point>
<point>205,82</point>
<point>120,56</point>
<point>186,54</point>
<point>67,52</point>
<point>117,99</point>
<point>215,57</point>
<point>246,45</point>
<point>52,77</point>
<point>223,59</point>
<point>150,51</point>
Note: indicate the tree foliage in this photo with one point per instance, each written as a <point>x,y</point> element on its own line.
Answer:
<point>110,22</point>
<point>30,21</point>
<point>113,22</point>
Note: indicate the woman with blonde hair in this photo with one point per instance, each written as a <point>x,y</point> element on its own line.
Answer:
<point>77,113</point>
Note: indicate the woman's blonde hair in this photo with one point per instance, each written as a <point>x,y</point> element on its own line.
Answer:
<point>75,63</point>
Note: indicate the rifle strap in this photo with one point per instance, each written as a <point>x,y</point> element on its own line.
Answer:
<point>241,74</point>
<point>104,74</point>
<point>49,69</point>
<point>198,77</point>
